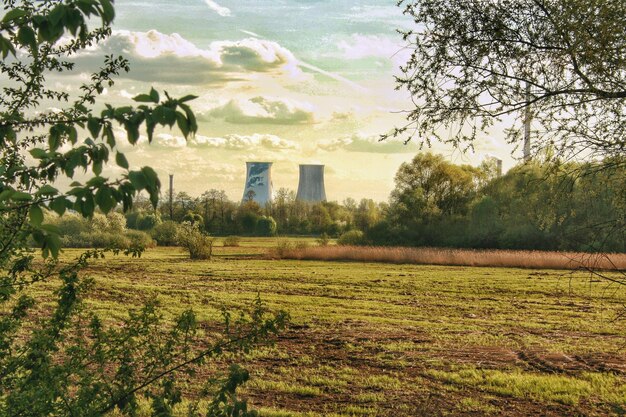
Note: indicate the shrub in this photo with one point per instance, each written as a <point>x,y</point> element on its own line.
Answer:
<point>232,241</point>
<point>301,244</point>
<point>352,238</point>
<point>266,226</point>
<point>198,244</point>
<point>193,218</point>
<point>323,240</point>
<point>140,239</point>
<point>282,247</point>
<point>165,233</point>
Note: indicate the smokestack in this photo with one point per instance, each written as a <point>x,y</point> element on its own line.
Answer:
<point>171,196</point>
<point>258,183</point>
<point>311,186</point>
<point>528,117</point>
<point>498,167</point>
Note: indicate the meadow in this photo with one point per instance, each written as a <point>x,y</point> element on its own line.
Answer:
<point>380,339</point>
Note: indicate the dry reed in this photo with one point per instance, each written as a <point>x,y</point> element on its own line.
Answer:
<point>460,257</point>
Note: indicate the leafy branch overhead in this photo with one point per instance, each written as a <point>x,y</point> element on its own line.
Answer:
<point>476,62</point>
<point>37,29</point>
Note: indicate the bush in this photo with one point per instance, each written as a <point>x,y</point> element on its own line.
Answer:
<point>165,233</point>
<point>140,239</point>
<point>232,241</point>
<point>282,247</point>
<point>323,240</point>
<point>198,244</point>
<point>266,226</point>
<point>352,238</point>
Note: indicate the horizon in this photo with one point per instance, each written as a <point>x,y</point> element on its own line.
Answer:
<point>273,89</point>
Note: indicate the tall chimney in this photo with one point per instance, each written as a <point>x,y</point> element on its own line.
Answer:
<point>258,183</point>
<point>311,186</point>
<point>171,196</point>
<point>528,117</point>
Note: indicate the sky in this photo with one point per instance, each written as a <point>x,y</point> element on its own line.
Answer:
<point>285,81</point>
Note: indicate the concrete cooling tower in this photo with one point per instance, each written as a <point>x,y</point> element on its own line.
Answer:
<point>311,186</point>
<point>258,183</point>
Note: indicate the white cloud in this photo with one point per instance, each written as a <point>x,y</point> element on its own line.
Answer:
<point>246,142</point>
<point>232,142</point>
<point>362,46</point>
<point>265,110</point>
<point>158,57</point>
<point>222,11</point>
<point>358,143</point>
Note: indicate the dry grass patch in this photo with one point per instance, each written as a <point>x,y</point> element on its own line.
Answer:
<point>461,257</point>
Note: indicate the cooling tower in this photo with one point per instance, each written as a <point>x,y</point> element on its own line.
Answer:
<point>311,186</point>
<point>258,183</point>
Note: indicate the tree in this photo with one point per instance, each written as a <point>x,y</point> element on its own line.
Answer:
<point>63,360</point>
<point>474,62</point>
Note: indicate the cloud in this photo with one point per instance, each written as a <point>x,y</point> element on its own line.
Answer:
<point>264,110</point>
<point>357,143</point>
<point>157,57</point>
<point>222,11</point>
<point>232,142</point>
<point>245,142</point>
<point>363,46</point>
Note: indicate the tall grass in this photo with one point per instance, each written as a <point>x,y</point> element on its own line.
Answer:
<point>460,257</point>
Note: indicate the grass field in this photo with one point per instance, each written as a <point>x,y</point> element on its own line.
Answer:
<point>372,339</point>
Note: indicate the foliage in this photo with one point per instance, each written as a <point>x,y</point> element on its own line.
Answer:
<point>352,238</point>
<point>473,62</point>
<point>198,244</point>
<point>232,241</point>
<point>193,218</point>
<point>323,240</point>
<point>165,233</point>
<point>56,358</point>
<point>266,226</point>
<point>73,363</point>
<point>550,206</point>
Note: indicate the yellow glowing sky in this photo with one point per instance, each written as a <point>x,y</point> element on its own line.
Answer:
<point>295,81</point>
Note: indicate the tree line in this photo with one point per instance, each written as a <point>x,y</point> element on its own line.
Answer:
<point>542,205</point>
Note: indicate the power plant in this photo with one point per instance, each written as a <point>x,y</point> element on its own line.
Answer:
<point>258,183</point>
<point>311,186</point>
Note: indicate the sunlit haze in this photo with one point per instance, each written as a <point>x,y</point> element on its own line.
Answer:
<point>291,82</point>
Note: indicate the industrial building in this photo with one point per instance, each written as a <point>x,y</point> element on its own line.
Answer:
<point>258,183</point>
<point>311,186</point>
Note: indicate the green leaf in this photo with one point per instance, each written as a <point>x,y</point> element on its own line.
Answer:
<point>38,153</point>
<point>94,127</point>
<point>187,98</point>
<point>21,196</point>
<point>53,244</point>
<point>73,134</point>
<point>97,167</point>
<point>110,137</point>
<point>51,228</point>
<point>35,215</point>
<point>154,94</point>
<point>108,12</point>
<point>57,14</point>
<point>183,125</point>
<point>59,205</point>
<point>143,98</point>
<point>26,36</point>
<point>104,199</point>
<point>14,14</point>
<point>47,189</point>
<point>137,179</point>
<point>6,194</point>
<point>6,47</point>
<point>121,160</point>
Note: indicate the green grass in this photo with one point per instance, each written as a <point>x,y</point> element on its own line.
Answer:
<point>397,340</point>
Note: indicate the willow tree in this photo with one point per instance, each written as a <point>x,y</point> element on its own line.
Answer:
<point>477,62</point>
